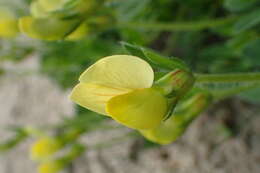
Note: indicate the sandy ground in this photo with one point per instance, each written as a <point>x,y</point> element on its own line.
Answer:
<point>35,99</point>
<point>27,98</point>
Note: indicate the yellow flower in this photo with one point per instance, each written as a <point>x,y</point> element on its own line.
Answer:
<point>54,166</point>
<point>8,23</point>
<point>61,19</point>
<point>44,148</point>
<point>46,28</point>
<point>120,86</point>
<point>175,126</point>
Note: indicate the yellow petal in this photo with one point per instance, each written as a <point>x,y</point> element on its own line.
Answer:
<point>94,97</point>
<point>122,71</point>
<point>187,110</point>
<point>25,25</point>
<point>139,109</point>
<point>46,28</point>
<point>44,148</point>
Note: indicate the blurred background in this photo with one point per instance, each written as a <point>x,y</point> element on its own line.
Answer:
<point>211,36</point>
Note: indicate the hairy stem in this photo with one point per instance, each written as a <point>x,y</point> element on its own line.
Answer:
<point>179,26</point>
<point>228,78</point>
<point>227,93</point>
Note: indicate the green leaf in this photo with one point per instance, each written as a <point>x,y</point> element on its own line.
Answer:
<point>248,21</point>
<point>164,62</point>
<point>19,137</point>
<point>131,8</point>
<point>134,50</point>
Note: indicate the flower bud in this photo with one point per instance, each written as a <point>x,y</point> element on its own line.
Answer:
<point>45,147</point>
<point>51,166</point>
<point>175,126</point>
<point>176,83</point>
<point>56,165</point>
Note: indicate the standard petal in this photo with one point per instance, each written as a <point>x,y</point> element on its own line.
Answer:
<point>123,71</point>
<point>94,97</point>
<point>139,109</point>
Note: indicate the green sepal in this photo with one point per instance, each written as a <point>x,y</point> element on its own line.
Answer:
<point>154,58</point>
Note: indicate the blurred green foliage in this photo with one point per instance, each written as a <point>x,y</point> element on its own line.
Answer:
<point>233,47</point>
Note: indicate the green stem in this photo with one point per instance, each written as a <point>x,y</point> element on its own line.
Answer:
<point>228,78</point>
<point>227,93</point>
<point>113,141</point>
<point>179,26</point>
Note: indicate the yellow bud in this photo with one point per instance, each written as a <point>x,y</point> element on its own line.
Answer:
<point>54,166</point>
<point>176,83</point>
<point>175,126</point>
<point>44,148</point>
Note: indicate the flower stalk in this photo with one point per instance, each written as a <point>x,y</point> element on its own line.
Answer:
<point>179,26</point>
<point>239,77</point>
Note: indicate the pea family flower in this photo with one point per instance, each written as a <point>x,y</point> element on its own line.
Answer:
<point>45,147</point>
<point>8,23</point>
<point>120,86</point>
<point>175,126</point>
<point>61,19</point>
<point>46,28</point>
